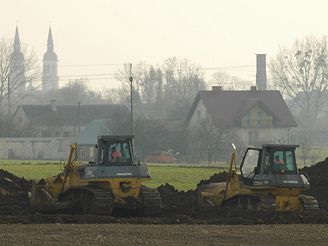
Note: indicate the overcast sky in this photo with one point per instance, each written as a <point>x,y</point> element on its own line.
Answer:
<point>218,33</point>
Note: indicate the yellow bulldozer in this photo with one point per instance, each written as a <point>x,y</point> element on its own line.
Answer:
<point>267,179</point>
<point>113,181</point>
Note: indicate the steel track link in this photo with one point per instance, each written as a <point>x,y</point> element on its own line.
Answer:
<point>151,201</point>
<point>309,202</point>
<point>89,200</point>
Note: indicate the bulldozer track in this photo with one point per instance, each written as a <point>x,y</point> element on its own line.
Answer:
<point>151,200</point>
<point>89,200</point>
<point>309,202</point>
<point>249,202</point>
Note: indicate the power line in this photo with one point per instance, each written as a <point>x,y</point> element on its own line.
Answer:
<point>91,65</point>
<point>91,74</point>
<point>225,67</point>
<point>68,80</point>
<point>122,64</point>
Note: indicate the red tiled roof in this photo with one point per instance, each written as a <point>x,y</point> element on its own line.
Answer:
<point>227,108</point>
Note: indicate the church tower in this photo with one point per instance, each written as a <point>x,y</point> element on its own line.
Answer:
<point>17,80</point>
<point>49,76</point>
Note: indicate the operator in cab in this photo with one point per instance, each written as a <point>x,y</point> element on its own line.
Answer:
<point>279,164</point>
<point>116,156</point>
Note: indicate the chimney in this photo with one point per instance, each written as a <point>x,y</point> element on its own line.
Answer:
<point>216,88</point>
<point>261,79</point>
<point>253,88</point>
<point>53,105</point>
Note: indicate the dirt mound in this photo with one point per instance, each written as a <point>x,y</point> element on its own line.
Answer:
<point>318,175</point>
<point>179,207</point>
<point>178,201</point>
<point>13,194</point>
<point>184,202</point>
<point>215,178</point>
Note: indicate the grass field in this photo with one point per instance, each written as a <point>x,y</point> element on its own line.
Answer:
<point>183,178</point>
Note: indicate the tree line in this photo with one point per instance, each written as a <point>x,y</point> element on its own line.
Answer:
<point>300,72</point>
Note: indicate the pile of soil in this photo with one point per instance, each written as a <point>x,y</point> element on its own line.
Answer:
<point>318,175</point>
<point>177,201</point>
<point>13,194</point>
<point>215,178</point>
<point>184,202</point>
<point>178,206</point>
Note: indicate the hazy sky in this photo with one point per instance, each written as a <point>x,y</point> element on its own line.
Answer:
<point>218,33</point>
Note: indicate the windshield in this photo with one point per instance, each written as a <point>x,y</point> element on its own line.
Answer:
<point>283,161</point>
<point>115,152</point>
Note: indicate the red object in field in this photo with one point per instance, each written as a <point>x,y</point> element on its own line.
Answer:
<point>161,157</point>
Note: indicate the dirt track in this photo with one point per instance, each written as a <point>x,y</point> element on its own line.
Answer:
<point>127,234</point>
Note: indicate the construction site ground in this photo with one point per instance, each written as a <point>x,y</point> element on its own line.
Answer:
<point>180,222</point>
<point>127,234</point>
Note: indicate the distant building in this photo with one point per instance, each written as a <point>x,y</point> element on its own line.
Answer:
<point>53,120</point>
<point>35,148</point>
<point>255,116</point>
<point>17,80</point>
<point>50,77</point>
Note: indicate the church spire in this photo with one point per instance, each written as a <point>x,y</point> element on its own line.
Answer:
<point>50,74</point>
<point>16,40</point>
<point>50,43</point>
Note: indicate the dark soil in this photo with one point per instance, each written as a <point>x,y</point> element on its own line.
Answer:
<point>318,175</point>
<point>179,207</point>
<point>131,234</point>
<point>215,178</point>
<point>13,194</point>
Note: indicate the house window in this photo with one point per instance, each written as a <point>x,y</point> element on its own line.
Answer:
<point>45,133</point>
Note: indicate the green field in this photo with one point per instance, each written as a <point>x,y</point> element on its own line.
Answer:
<point>183,178</point>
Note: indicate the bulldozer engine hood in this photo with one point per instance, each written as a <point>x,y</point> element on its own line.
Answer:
<point>281,180</point>
<point>129,171</point>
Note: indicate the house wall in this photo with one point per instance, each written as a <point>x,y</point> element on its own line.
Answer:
<point>34,148</point>
<point>199,114</point>
<point>255,136</point>
<point>257,117</point>
<point>38,130</point>
<point>257,126</point>
<point>20,118</point>
<point>57,131</point>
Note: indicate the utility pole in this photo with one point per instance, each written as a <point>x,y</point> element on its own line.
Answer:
<point>78,118</point>
<point>131,89</point>
<point>9,110</point>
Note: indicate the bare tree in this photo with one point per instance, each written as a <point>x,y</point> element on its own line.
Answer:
<point>138,72</point>
<point>173,85</point>
<point>152,86</point>
<point>73,93</point>
<point>206,141</point>
<point>228,81</point>
<point>301,74</point>
<point>183,79</point>
<point>30,69</point>
<point>118,95</point>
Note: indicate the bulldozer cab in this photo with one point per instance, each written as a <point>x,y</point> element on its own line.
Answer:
<point>273,164</point>
<point>114,150</point>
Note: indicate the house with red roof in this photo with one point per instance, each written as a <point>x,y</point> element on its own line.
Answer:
<point>254,116</point>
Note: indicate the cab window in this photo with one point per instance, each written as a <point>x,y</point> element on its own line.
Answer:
<point>283,162</point>
<point>249,166</point>
<point>115,152</point>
